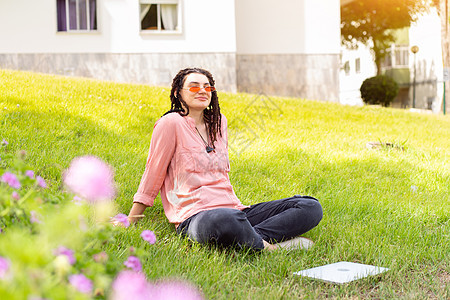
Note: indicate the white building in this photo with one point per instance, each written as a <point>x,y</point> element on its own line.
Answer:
<point>288,48</point>
<point>426,35</point>
<point>427,92</point>
<point>356,66</point>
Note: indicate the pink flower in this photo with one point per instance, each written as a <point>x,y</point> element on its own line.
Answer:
<point>148,236</point>
<point>176,290</point>
<point>122,218</point>
<point>34,218</point>
<point>15,195</point>
<point>131,285</point>
<point>5,142</point>
<point>133,263</point>
<point>22,154</point>
<point>77,200</point>
<point>11,180</point>
<point>90,178</point>
<point>4,267</point>
<point>41,182</point>
<point>81,283</point>
<point>29,173</point>
<point>100,257</point>
<point>61,250</point>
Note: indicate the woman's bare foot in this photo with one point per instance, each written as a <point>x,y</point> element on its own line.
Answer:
<point>295,243</point>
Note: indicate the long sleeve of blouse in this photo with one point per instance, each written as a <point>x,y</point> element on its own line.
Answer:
<point>162,149</point>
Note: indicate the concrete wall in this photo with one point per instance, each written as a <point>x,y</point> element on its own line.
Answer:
<point>146,68</point>
<point>311,76</point>
<point>207,26</point>
<point>288,27</point>
<point>288,48</point>
<point>30,27</point>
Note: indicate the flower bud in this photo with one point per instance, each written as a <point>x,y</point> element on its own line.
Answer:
<point>62,265</point>
<point>22,154</point>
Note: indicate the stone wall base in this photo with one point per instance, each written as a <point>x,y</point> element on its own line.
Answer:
<point>156,69</point>
<point>313,77</point>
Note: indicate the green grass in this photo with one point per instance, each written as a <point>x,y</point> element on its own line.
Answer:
<point>388,207</point>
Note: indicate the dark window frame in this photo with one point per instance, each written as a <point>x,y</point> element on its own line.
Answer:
<point>76,15</point>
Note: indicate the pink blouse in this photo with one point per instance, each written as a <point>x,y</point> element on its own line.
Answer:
<point>190,179</point>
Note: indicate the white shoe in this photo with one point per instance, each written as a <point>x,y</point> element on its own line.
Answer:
<point>296,243</point>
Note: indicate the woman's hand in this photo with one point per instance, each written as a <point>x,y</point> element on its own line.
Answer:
<point>116,223</point>
<point>134,218</point>
<point>123,222</point>
<point>136,213</point>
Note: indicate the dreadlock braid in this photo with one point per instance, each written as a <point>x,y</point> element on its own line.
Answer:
<point>211,114</point>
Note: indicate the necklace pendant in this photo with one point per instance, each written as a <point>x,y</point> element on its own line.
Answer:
<point>209,149</point>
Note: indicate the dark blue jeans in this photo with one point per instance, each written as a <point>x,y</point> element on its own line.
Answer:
<point>272,221</point>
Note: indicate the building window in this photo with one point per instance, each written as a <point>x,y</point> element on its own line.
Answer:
<point>347,68</point>
<point>76,15</point>
<point>402,56</point>
<point>358,65</point>
<point>387,60</point>
<point>160,15</point>
<point>397,57</point>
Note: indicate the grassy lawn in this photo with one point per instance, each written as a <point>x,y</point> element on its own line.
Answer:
<point>388,206</point>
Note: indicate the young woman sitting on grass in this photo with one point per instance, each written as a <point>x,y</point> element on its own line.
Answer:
<point>188,162</point>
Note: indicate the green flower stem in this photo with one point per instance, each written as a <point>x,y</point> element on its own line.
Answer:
<point>25,197</point>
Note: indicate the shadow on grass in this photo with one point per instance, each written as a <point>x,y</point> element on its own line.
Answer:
<point>53,139</point>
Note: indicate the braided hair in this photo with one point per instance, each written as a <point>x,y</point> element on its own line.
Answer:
<point>211,114</point>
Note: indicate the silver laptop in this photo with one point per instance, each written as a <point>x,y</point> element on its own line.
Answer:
<point>342,272</point>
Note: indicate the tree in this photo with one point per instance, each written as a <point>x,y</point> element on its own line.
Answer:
<point>369,22</point>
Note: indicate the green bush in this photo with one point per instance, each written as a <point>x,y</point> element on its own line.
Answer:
<point>379,89</point>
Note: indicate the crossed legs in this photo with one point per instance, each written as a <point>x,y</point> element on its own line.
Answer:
<point>266,225</point>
